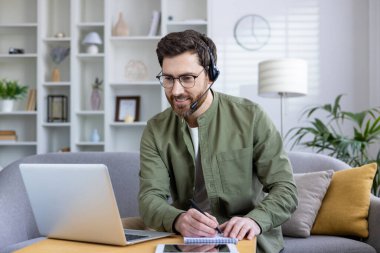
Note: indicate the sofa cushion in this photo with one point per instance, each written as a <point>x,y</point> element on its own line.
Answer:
<point>344,210</point>
<point>311,189</point>
<point>325,244</point>
<point>20,245</point>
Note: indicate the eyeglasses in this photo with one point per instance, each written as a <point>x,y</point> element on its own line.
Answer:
<point>187,81</point>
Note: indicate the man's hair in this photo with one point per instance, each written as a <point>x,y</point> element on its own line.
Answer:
<point>176,43</point>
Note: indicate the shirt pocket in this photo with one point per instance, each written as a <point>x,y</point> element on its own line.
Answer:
<point>235,170</point>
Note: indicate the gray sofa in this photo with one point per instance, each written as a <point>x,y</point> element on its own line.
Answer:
<point>18,228</point>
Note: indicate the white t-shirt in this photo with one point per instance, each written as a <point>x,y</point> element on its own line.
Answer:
<point>200,192</point>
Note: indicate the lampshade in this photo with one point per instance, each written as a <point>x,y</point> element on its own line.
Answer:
<point>279,77</point>
<point>92,38</point>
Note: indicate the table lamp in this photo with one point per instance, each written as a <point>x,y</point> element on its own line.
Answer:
<point>282,78</point>
<point>92,40</point>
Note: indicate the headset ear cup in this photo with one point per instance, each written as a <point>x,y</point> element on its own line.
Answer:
<point>213,73</point>
<point>213,70</point>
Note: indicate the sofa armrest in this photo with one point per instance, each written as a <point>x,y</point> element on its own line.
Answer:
<point>373,223</point>
<point>17,222</point>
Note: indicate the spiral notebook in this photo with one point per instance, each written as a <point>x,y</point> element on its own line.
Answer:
<point>210,240</point>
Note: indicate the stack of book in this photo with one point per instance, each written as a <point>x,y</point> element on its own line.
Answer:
<point>8,135</point>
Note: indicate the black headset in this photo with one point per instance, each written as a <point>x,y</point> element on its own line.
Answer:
<point>213,71</point>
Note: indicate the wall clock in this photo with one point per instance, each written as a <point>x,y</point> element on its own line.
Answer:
<point>252,32</point>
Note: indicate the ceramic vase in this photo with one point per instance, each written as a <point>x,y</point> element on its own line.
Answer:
<point>96,99</point>
<point>95,137</point>
<point>7,105</point>
<point>55,75</point>
<point>121,27</point>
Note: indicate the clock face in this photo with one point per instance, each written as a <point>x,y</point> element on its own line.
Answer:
<point>252,32</point>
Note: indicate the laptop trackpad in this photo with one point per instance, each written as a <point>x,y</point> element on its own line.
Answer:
<point>143,235</point>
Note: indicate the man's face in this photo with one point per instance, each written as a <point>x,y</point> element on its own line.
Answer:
<point>181,98</point>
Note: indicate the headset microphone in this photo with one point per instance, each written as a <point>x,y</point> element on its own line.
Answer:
<point>194,105</point>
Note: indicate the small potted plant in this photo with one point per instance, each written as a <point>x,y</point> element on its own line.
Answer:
<point>10,91</point>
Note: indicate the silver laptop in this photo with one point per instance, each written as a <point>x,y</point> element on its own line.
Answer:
<point>77,202</point>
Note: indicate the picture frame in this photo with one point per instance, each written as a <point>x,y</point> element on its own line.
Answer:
<point>127,109</point>
<point>57,108</point>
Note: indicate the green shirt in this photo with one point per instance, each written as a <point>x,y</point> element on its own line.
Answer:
<point>242,158</point>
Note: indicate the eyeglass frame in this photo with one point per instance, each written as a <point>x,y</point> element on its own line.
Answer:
<point>179,79</point>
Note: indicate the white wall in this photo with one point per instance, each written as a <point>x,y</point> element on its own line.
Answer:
<point>374,48</point>
<point>336,49</point>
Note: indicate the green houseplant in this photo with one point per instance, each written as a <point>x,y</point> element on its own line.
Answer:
<point>11,90</point>
<point>329,137</point>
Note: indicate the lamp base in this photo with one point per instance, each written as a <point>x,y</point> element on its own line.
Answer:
<point>92,49</point>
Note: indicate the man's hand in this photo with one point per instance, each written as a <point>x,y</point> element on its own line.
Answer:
<point>239,227</point>
<point>195,224</point>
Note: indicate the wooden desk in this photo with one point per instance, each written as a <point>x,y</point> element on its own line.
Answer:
<point>61,246</point>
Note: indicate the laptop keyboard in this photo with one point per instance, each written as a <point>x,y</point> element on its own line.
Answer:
<point>131,237</point>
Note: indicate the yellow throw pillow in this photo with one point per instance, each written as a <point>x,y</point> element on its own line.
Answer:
<point>344,209</point>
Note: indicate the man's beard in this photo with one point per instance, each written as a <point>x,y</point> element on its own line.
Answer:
<point>185,111</point>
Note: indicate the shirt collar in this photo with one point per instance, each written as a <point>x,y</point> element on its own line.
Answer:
<point>207,115</point>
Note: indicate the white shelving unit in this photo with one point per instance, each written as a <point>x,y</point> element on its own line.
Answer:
<point>53,17</point>
<point>19,30</point>
<point>34,24</point>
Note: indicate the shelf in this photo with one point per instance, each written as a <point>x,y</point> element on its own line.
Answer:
<point>56,124</point>
<point>56,84</point>
<point>126,38</point>
<point>89,113</point>
<point>18,143</point>
<point>18,55</point>
<point>134,83</point>
<point>18,25</point>
<point>88,143</point>
<point>90,24</point>
<point>19,113</point>
<point>84,56</point>
<point>134,124</point>
<point>188,22</point>
<point>53,39</point>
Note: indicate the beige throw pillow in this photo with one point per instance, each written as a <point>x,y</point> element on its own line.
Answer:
<point>311,189</point>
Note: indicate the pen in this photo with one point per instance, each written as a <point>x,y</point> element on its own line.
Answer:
<point>195,206</point>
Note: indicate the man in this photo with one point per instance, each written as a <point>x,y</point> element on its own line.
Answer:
<point>222,152</point>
